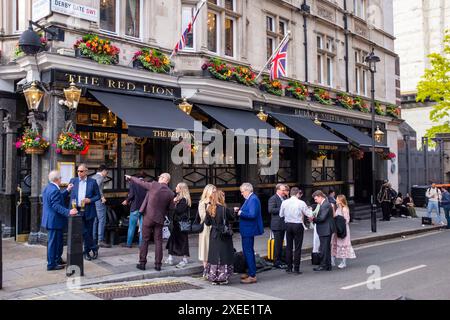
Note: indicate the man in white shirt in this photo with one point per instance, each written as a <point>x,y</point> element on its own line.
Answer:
<point>293,210</point>
<point>434,196</point>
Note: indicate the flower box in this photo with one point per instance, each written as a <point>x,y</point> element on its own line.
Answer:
<point>152,60</point>
<point>69,152</point>
<point>100,50</point>
<point>34,151</point>
<point>137,64</point>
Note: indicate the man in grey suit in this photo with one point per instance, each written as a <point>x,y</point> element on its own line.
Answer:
<point>100,206</point>
<point>277,224</point>
<point>325,229</point>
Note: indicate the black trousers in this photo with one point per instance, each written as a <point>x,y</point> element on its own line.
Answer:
<point>278,238</point>
<point>325,251</point>
<point>386,208</point>
<point>294,238</point>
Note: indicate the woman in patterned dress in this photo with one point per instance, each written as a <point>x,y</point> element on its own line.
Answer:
<point>221,254</point>
<point>342,248</point>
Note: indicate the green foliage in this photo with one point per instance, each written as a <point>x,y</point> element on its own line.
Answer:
<point>435,85</point>
<point>431,133</point>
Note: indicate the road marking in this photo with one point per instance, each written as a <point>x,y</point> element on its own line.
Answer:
<point>383,278</point>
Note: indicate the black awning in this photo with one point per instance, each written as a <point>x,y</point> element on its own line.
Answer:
<point>314,134</point>
<point>353,135</point>
<point>245,120</point>
<point>146,117</point>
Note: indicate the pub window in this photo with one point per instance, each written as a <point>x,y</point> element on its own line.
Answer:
<point>133,18</point>
<point>329,71</point>
<point>360,73</point>
<point>19,10</point>
<point>187,14</point>
<point>282,27</point>
<point>229,37</point>
<point>109,15</point>
<point>359,8</point>
<point>213,35</point>
<point>270,46</point>
<point>270,23</point>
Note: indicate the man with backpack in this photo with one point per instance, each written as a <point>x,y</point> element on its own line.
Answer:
<point>434,196</point>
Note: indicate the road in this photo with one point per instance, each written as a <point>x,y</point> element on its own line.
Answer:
<point>416,268</point>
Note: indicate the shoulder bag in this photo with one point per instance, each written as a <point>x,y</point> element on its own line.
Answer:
<point>227,231</point>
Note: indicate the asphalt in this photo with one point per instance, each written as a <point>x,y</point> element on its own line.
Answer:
<point>24,265</point>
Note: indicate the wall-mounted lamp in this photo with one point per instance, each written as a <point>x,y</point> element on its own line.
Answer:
<point>185,106</point>
<point>261,115</point>
<point>378,135</point>
<point>72,95</point>
<point>317,121</point>
<point>33,96</point>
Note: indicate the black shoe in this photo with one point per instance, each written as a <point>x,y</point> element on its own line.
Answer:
<point>158,268</point>
<point>322,269</point>
<point>126,245</point>
<point>288,270</point>
<point>94,255</point>
<point>87,257</point>
<point>62,263</point>
<point>140,266</point>
<point>103,244</point>
<point>55,268</point>
<point>280,266</point>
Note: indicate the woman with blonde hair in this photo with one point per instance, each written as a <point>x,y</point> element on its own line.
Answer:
<point>342,247</point>
<point>203,237</point>
<point>221,254</point>
<point>178,243</point>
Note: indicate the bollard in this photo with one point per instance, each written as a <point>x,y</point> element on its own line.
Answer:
<point>75,246</point>
<point>1,256</point>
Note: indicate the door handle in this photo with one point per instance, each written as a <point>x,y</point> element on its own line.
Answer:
<point>19,189</point>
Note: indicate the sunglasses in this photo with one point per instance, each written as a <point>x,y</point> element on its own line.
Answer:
<point>82,170</point>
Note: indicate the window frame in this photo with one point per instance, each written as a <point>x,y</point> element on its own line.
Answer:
<point>141,24</point>
<point>273,28</point>
<point>330,71</point>
<point>227,17</point>
<point>16,21</point>
<point>117,22</point>
<point>218,33</point>
<point>286,26</point>
<point>193,8</point>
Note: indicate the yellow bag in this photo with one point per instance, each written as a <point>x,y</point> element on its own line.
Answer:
<point>270,248</point>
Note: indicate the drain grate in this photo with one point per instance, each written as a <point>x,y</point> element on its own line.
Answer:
<point>139,290</point>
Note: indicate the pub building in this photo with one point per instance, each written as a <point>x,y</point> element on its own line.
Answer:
<point>129,116</point>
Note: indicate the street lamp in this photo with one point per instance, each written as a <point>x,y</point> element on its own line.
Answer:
<point>261,115</point>
<point>33,96</point>
<point>372,61</point>
<point>185,106</point>
<point>379,135</point>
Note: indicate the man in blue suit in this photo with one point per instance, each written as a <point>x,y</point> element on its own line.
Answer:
<point>54,219</point>
<point>250,225</point>
<point>86,192</point>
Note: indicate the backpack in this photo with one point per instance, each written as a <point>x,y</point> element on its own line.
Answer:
<point>341,226</point>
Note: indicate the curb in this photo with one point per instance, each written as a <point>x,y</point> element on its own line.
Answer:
<point>197,268</point>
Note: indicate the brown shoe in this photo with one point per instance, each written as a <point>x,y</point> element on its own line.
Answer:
<point>249,280</point>
<point>244,276</point>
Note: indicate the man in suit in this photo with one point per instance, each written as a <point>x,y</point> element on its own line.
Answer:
<point>155,207</point>
<point>250,225</point>
<point>54,219</point>
<point>100,207</point>
<point>325,229</point>
<point>277,224</point>
<point>86,192</point>
<point>135,198</point>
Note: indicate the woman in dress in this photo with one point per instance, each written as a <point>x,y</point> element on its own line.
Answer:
<point>203,237</point>
<point>342,248</point>
<point>220,256</point>
<point>178,243</point>
<point>408,202</point>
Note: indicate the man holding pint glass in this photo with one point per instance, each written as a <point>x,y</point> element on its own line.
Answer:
<point>84,194</point>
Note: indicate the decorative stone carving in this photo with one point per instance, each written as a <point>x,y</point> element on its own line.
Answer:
<point>361,30</point>
<point>325,13</point>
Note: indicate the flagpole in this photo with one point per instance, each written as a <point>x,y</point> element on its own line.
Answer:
<point>286,37</point>
<point>193,22</point>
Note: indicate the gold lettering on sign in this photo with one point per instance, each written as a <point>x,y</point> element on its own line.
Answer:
<point>84,78</point>
<point>169,92</point>
<point>160,90</point>
<point>70,76</point>
<point>324,147</point>
<point>146,88</point>
<point>95,81</point>
<point>111,84</point>
<point>131,86</point>
<point>121,85</point>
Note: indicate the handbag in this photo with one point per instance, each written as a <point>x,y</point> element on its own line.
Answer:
<point>226,231</point>
<point>193,227</point>
<point>197,226</point>
<point>165,229</point>
<point>341,226</point>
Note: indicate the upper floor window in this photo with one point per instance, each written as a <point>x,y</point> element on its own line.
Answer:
<point>325,60</point>
<point>270,23</point>
<point>133,18</point>
<point>359,7</point>
<point>108,15</point>
<point>187,14</point>
<point>20,13</point>
<point>282,27</point>
<point>113,11</point>
<point>222,24</point>
<point>360,73</point>
<point>276,28</point>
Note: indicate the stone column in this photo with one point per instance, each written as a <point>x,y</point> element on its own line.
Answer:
<point>9,202</point>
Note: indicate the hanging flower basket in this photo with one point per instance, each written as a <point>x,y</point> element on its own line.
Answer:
<point>152,60</point>
<point>44,47</point>
<point>219,69</point>
<point>356,154</point>
<point>297,90</point>
<point>34,151</point>
<point>70,143</point>
<point>32,142</point>
<point>97,49</point>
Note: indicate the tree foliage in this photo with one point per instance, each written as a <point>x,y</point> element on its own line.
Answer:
<point>435,85</point>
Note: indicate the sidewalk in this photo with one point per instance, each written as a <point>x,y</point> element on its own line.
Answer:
<point>24,266</point>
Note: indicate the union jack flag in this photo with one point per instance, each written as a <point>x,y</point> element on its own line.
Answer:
<point>184,37</point>
<point>279,62</point>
